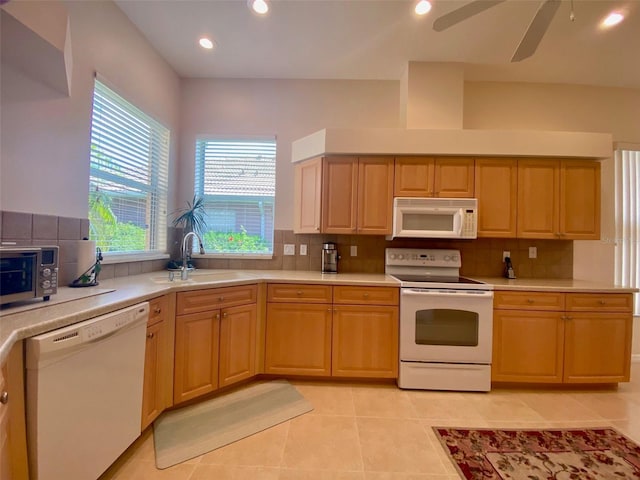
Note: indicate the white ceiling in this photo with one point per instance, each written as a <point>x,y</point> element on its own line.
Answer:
<point>374,39</point>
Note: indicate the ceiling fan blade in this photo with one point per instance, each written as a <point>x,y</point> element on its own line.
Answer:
<point>537,28</point>
<point>459,14</point>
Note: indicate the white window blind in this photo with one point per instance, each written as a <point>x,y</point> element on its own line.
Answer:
<point>237,181</point>
<point>128,176</point>
<point>627,249</point>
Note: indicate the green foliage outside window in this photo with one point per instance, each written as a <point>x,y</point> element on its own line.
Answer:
<point>234,242</point>
<point>109,234</point>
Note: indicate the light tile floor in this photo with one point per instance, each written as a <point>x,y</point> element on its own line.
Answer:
<point>379,432</point>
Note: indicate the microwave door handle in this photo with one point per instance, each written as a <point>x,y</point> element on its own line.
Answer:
<point>458,221</point>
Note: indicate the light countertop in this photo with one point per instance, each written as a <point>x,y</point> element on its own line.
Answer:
<point>73,305</point>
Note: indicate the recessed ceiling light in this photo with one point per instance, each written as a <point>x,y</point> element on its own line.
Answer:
<point>423,7</point>
<point>205,43</point>
<point>259,6</point>
<point>612,19</point>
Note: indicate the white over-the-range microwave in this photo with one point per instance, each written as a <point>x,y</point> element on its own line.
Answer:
<point>435,217</point>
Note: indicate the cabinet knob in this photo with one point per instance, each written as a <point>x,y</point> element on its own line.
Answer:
<point>157,310</point>
<point>4,398</point>
<point>529,300</point>
<point>299,292</point>
<point>602,302</point>
<point>366,295</point>
<point>217,316</point>
<point>221,299</point>
<point>225,315</point>
<point>150,335</point>
<point>568,318</point>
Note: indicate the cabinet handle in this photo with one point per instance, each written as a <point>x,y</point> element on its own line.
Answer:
<point>602,302</point>
<point>221,299</point>
<point>299,292</point>
<point>225,315</point>
<point>150,335</point>
<point>157,310</point>
<point>529,300</point>
<point>4,398</point>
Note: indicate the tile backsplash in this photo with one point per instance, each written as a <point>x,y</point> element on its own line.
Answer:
<point>481,257</point>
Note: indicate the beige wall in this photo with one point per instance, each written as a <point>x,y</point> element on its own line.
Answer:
<point>288,109</point>
<point>45,135</point>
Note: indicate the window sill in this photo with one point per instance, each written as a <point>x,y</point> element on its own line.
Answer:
<point>229,256</point>
<point>132,257</point>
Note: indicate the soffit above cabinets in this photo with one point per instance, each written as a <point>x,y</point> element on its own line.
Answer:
<point>390,141</point>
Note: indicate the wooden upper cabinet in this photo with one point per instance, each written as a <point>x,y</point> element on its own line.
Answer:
<point>414,177</point>
<point>375,195</point>
<point>307,196</point>
<point>496,188</point>
<point>339,194</point>
<point>559,199</point>
<point>580,200</point>
<point>451,177</point>
<point>538,198</point>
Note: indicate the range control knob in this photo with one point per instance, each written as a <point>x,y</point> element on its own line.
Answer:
<point>401,257</point>
<point>45,284</point>
<point>46,272</point>
<point>392,256</point>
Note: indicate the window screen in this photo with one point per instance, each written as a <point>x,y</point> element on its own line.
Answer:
<point>237,180</point>
<point>128,176</point>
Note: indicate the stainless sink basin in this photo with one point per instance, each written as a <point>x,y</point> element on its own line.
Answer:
<point>203,276</point>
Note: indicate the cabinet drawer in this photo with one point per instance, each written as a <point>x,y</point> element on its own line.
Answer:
<point>157,310</point>
<point>295,292</point>
<point>203,300</point>
<point>610,302</point>
<point>528,300</point>
<point>356,295</point>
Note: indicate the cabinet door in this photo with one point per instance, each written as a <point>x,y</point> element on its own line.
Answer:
<point>580,200</point>
<point>152,390</point>
<point>196,355</point>
<point>365,341</point>
<point>339,194</point>
<point>298,339</point>
<point>538,199</point>
<point>597,347</point>
<point>496,188</point>
<point>454,177</point>
<point>237,344</point>
<point>307,196</point>
<point>5,454</point>
<point>527,346</point>
<point>413,177</point>
<point>375,195</point>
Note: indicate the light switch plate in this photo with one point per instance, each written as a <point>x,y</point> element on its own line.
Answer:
<point>354,250</point>
<point>289,249</point>
<point>303,249</point>
<point>533,252</point>
<point>506,254</point>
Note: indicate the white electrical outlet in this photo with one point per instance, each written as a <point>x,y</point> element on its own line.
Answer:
<point>289,249</point>
<point>354,250</point>
<point>303,249</point>
<point>533,252</point>
<point>505,254</point>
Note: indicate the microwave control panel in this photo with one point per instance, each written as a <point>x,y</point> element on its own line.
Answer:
<point>469,222</point>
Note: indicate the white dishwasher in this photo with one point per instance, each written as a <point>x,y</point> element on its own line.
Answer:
<point>84,394</point>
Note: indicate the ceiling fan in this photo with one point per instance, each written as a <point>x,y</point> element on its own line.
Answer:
<point>532,37</point>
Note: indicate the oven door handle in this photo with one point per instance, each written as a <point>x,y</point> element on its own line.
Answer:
<point>428,292</point>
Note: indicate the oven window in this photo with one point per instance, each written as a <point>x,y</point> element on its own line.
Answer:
<point>16,274</point>
<point>447,327</point>
<point>427,221</point>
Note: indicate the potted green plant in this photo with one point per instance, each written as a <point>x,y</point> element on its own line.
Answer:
<point>191,218</point>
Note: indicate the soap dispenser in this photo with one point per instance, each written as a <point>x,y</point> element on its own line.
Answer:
<point>508,268</point>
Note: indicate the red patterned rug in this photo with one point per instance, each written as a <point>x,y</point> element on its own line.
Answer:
<point>575,454</point>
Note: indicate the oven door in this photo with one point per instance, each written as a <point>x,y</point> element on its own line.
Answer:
<point>448,326</point>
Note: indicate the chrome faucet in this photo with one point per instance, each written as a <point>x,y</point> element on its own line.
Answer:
<point>184,272</point>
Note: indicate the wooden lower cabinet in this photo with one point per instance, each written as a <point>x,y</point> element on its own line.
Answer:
<point>365,341</point>
<point>237,360</point>
<point>561,337</point>
<point>214,347</point>
<point>196,355</point>
<point>13,439</point>
<point>298,339</point>
<point>355,335</point>
<point>157,392</point>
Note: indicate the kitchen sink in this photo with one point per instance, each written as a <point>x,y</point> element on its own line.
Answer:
<point>203,276</point>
